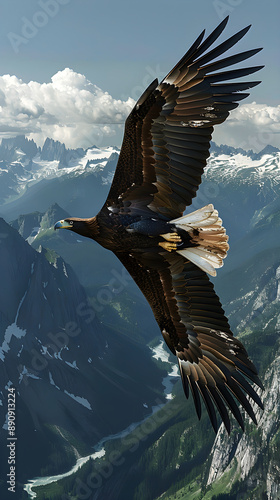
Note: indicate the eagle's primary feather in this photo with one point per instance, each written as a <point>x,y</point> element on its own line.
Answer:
<point>165,147</point>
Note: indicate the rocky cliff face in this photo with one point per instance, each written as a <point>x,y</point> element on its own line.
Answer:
<point>251,459</point>
<point>55,150</point>
<point>18,147</point>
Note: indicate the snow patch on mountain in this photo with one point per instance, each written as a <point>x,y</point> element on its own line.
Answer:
<point>73,364</point>
<point>92,160</point>
<point>95,155</point>
<point>79,399</point>
<point>20,351</point>
<point>52,381</point>
<point>26,373</point>
<point>12,330</point>
<point>229,166</point>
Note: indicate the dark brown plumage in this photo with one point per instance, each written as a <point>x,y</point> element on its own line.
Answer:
<point>163,155</point>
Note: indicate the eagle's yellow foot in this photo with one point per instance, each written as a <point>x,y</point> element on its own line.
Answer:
<point>171,237</point>
<point>166,245</point>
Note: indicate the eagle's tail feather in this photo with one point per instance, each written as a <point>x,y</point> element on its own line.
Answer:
<point>209,237</point>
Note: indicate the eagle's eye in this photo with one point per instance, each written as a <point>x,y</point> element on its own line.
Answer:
<point>71,222</point>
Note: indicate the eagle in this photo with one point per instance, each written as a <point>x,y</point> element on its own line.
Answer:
<point>170,255</point>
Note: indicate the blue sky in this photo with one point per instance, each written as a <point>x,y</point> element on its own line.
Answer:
<point>120,46</point>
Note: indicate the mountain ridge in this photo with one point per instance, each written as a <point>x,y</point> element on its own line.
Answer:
<point>28,182</point>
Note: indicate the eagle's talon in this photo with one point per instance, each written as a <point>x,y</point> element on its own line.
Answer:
<point>171,237</point>
<point>166,245</point>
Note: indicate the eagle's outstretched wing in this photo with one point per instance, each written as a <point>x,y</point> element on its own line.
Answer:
<point>213,364</point>
<point>165,147</point>
<point>167,134</point>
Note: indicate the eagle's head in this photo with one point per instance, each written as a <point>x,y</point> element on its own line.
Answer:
<point>84,227</point>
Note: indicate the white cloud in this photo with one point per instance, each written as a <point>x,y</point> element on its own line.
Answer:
<point>250,126</point>
<point>73,110</point>
<point>69,108</point>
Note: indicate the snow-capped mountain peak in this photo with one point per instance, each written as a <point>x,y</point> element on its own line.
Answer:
<point>23,164</point>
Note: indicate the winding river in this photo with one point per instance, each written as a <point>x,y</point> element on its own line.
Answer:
<point>158,353</point>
